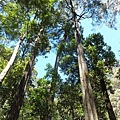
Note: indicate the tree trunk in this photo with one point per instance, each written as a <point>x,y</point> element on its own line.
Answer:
<point>87,94</point>
<point>53,83</point>
<point>13,114</point>
<point>19,95</point>
<point>107,100</point>
<point>11,61</point>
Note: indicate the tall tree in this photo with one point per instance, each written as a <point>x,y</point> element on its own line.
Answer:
<point>20,93</point>
<point>100,58</point>
<point>99,13</point>
<point>54,77</point>
<point>69,95</point>
<point>11,61</point>
<point>87,94</point>
<point>96,53</point>
<point>10,82</point>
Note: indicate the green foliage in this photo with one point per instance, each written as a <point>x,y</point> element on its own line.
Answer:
<point>28,19</point>
<point>60,47</point>
<point>39,99</point>
<point>69,106</point>
<point>12,12</point>
<point>55,80</point>
<point>5,55</point>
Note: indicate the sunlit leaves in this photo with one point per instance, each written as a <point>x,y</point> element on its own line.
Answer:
<point>5,55</point>
<point>96,48</point>
<point>12,12</point>
<point>40,99</point>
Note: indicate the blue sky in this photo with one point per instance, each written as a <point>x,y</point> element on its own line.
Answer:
<point>111,37</point>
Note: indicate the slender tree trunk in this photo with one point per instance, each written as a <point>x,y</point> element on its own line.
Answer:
<point>11,61</point>
<point>58,54</point>
<point>13,114</point>
<point>87,94</point>
<point>53,83</point>
<point>52,91</point>
<point>107,100</point>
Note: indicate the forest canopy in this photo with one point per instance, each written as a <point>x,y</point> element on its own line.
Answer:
<point>30,29</point>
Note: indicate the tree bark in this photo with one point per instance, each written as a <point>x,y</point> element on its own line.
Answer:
<point>11,61</point>
<point>87,94</point>
<point>13,114</point>
<point>107,100</point>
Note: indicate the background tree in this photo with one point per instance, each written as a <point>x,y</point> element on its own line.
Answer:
<point>40,96</point>
<point>100,60</point>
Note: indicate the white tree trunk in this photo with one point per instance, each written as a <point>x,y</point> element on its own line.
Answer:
<point>11,61</point>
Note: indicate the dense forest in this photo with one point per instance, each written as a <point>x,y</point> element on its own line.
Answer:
<point>83,84</point>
